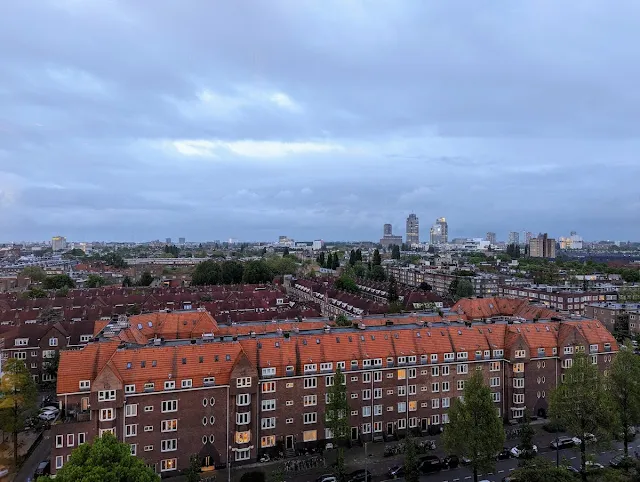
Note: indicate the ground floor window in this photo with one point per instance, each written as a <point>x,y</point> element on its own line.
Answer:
<point>59,461</point>
<point>243,454</point>
<point>168,464</point>
<point>310,435</point>
<point>268,441</point>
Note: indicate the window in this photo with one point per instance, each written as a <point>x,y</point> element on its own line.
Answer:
<point>268,372</point>
<point>59,461</point>
<point>81,438</point>
<point>366,377</point>
<point>242,418</point>
<point>310,382</point>
<point>435,387</point>
<point>377,376</point>
<point>243,399</point>
<point>445,371</point>
<point>310,417</point>
<point>594,359</point>
<point>462,355</point>
<point>20,355</point>
<point>495,366</point>
<point>148,408</point>
<point>268,423</point>
<point>170,385</point>
<point>169,406</point>
<point>377,410</point>
<point>169,425</point>
<point>169,445</point>
<point>495,396</point>
<point>148,428</point>
<point>148,448</point>
<point>413,372</point>
<point>377,393</point>
<point>498,353</point>
<point>21,342</point>
<point>435,371</point>
<point>377,426</point>
<point>460,385</point>
<point>268,441</point>
<point>402,391</point>
<point>402,374</point>
<point>518,383</point>
<point>269,405</point>
<point>326,366</point>
<point>53,342</point>
<point>434,358</point>
<point>445,386</point>
<point>310,368</point>
<point>134,449</point>
<point>59,441</point>
<point>107,414</point>
<point>567,363</point>
<point>518,368</point>
<point>129,389</point>
<point>328,381</point>
<point>243,382</point>
<point>402,407</point>
<point>168,464</point>
<point>131,410</point>
<point>445,402</point>
<point>448,357</point>
<point>309,435</point>
<point>568,350</point>
<point>412,389</point>
<point>188,383</point>
<point>495,381</point>
<point>518,398</point>
<point>268,387</point>
<point>106,395</point>
<point>309,400</point>
<point>402,423</point>
<point>149,387</point>
<point>435,403</point>
<point>208,381</point>
<point>85,384</point>
<point>520,353</point>
<point>366,411</point>
<point>131,430</point>
<point>462,369</point>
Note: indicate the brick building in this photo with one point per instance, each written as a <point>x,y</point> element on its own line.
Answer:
<point>616,316</point>
<point>234,397</point>
<point>572,301</point>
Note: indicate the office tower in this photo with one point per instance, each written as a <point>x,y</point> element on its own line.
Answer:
<point>168,241</point>
<point>58,243</point>
<point>387,230</point>
<point>491,237</point>
<point>413,230</point>
<point>514,237</point>
<point>527,237</point>
<point>181,240</point>
<point>542,246</point>
<point>439,233</point>
<point>388,239</point>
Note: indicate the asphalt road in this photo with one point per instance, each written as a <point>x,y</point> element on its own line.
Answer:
<point>41,452</point>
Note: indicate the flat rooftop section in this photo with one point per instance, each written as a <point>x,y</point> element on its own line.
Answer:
<point>617,306</point>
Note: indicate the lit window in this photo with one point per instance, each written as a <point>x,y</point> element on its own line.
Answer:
<point>168,464</point>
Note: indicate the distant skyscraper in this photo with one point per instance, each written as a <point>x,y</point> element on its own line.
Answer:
<point>542,247</point>
<point>181,240</point>
<point>439,233</point>
<point>388,239</point>
<point>168,241</point>
<point>413,230</point>
<point>514,237</point>
<point>58,243</point>
<point>527,236</point>
<point>491,237</point>
<point>388,230</point>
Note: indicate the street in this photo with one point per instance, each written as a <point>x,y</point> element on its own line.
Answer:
<point>41,452</point>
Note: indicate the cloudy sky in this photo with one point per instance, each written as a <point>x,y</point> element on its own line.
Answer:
<point>138,120</point>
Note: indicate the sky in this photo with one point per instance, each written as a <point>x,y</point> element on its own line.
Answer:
<point>250,119</point>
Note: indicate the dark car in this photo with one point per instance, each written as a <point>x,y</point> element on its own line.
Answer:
<point>44,468</point>
<point>396,471</point>
<point>430,464</point>
<point>360,476</point>
<point>451,461</point>
<point>620,461</point>
<point>504,454</point>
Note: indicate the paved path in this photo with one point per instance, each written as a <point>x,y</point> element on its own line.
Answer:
<point>40,453</point>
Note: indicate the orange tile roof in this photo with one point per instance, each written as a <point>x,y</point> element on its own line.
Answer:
<point>477,308</point>
<point>174,325</point>
<point>84,364</point>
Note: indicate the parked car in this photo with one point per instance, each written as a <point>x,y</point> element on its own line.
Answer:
<point>48,416</point>
<point>593,465</point>
<point>360,476</point>
<point>564,442</point>
<point>396,471</point>
<point>631,434</point>
<point>504,454</point>
<point>620,461</point>
<point>430,464</point>
<point>451,461</point>
<point>50,408</point>
<point>44,468</point>
<point>327,478</point>
<point>518,452</point>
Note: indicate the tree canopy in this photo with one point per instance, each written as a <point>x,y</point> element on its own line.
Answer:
<point>624,387</point>
<point>95,281</point>
<point>58,281</point>
<point>105,459</point>
<point>146,279</point>
<point>377,260</point>
<point>475,430</point>
<point>337,415</point>
<point>35,273</point>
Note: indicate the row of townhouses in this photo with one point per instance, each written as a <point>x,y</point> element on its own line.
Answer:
<point>230,398</point>
<point>558,299</point>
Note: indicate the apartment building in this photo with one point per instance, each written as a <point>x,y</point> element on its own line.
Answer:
<point>616,316</point>
<point>542,246</point>
<point>556,298</point>
<point>230,399</point>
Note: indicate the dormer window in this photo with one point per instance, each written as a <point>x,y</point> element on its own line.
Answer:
<point>462,355</point>
<point>568,350</point>
<point>448,357</point>
<point>21,341</point>
<point>520,353</point>
<point>85,384</point>
<point>106,395</point>
<point>53,341</point>
<point>170,385</point>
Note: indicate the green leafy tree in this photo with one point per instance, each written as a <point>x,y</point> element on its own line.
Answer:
<point>352,257</point>
<point>475,429</point>
<point>360,270</point>
<point>57,282</point>
<point>411,460</point>
<point>17,399</point>
<point>335,264</point>
<point>453,288</point>
<point>359,255</point>
<point>35,273</point>
<point>321,259</point>
<point>206,273</point>
<point>126,282</point>
<point>50,365</point>
<point>115,260</point>
<point>342,320</point>
<point>192,473</point>
<point>527,433</point>
<point>95,281</point>
<point>285,252</point>
<point>582,405</point>
<point>34,293</point>
<point>146,279</point>
<point>346,283</point>
<point>282,265</point>
<point>464,289</point>
<point>257,272</point>
<point>395,252</point>
<point>624,387</point>
<point>542,471</point>
<point>392,290</point>
<point>424,286</point>
<point>377,273</point>
<point>134,309</point>
<point>105,459</point>
<point>231,272</point>
<point>377,260</point>
<point>276,475</point>
<point>337,413</point>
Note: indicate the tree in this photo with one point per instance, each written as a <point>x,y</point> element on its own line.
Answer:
<point>50,365</point>
<point>34,293</point>
<point>285,252</point>
<point>453,288</point>
<point>542,471</point>
<point>411,461</point>
<point>464,289</point>
<point>395,252</point>
<point>377,260</point>
<point>192,474</point>
<point>17,399</point>
<point>35,273</point>
<point>231,272</point>
<point>126,282</point>
<point>624,387</point>
<point>172,250</point>
<point>337,413</point>
<point>346,283</point>
<point>104,459</point>
<point>115,260</point>
<point>475,429</point>
<point>58,281</point>
<point>392,291</point>
<point>424,286</point>
<point>321,259</point>
<point>342,320</point>
<point>146,279</point>
<point>359,255</point>
<point>276,475</point>
<point>352,257</point>
<point>335,264</point>
<point>95,281</point>
<point>581,404</point>
<point>206,273</point>
<point>257,272</point>
<point>527,433</point>
<point>377,273</point>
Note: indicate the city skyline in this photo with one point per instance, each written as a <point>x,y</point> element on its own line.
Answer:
<point>317,125</point>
